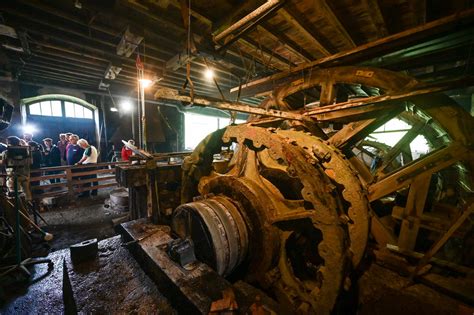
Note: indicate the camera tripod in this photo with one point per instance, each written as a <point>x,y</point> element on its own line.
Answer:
<point>21,265</point>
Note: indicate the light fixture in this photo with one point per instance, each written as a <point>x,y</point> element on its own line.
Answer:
<point>126,106</point>
<point>209,74</point>
<point>29,129</point>
<point>145,83</point>
<point>113,109</point>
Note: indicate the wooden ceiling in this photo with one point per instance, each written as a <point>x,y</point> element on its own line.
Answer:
<point>72,43</point>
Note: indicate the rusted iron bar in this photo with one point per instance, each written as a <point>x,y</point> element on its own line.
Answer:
<point>363,52</point>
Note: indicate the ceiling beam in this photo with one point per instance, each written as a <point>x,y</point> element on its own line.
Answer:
<point>364,52</point>
<point>151,45</point>
<point>418,9</point>
<point>267,56</point>
<point>327,12</point>
<point>289,45</point>
<point>250,18</point>
<point>307,33</point>
<point>373,9</point>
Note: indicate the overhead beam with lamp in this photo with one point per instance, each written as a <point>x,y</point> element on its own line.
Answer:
<point>361,108</point>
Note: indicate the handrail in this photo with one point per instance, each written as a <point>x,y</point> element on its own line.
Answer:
<point>74,179</point>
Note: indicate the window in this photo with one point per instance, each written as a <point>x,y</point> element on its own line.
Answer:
<point>74,110</point>
<point>197,127</point>
<point>46,108</point>
<point>391,132</point>
<point>55,109</point>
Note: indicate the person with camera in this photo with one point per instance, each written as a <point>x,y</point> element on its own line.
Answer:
<point>36,151</point>
<point>20,167</point>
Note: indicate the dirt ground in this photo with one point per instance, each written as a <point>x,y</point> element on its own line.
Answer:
<point>80,220</point>
<point>379,290</point>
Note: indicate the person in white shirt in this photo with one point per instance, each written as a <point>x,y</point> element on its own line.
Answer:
<point>89,157</point>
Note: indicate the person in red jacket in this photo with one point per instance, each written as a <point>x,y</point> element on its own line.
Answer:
<point>126,152</point>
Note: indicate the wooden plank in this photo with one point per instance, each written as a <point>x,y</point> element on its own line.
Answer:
<point>293,21</point>
<point>327,12</point>
<point>364,52</point>
<point>47,186</point>
<point>413,211</point>
<point>434,260</point>
<point>398,147</point>
<point>46,177</point>
<point>82,189</point>
<point>51,194</point>
<point>373,9</point>
<point>289,44</point>
<point>429,164</point>
<point>171,94</point>
<point>69,182</point>
<point>63,168</point>
<point>267,57</point>
<point>100,171</point>
<point>321,113</point>
<point>252,16</point>
<point>382,235</point>
<point>352,133</point>
<point>92,180</point>
<point>440,243</point>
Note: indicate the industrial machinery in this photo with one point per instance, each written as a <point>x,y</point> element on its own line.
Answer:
<point>293,210</point>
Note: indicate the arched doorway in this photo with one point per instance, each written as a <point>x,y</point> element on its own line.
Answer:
<point>51,114</point>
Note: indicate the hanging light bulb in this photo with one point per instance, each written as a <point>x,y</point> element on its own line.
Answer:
<point>145,83</point>
<point>209,74</point>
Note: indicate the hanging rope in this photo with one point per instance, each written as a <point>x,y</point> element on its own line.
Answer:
<point>189,45</point>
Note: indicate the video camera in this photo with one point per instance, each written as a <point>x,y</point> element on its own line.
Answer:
<point>17,156</point>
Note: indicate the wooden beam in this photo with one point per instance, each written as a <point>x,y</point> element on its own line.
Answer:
<point>398,147</point>
<point>438,262</point>
<point>440,243</point>
<point>418,9</point>
<point>289,45</point>
<point>373,9</point>
<point>266,56</point>
<point>352,133</point>
<point>225,21</point>
<point>429,164</point>
<point>249,18</point>
<point>351,108</point>
<point>327,12</point>
<point>169,94</point>
<point>364,52</point>
<point>413,211</point>
<point>307,33</point>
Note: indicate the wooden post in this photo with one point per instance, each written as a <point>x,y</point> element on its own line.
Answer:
<point>440,243</point>
<point>413,211</point>
<point>69,182</point>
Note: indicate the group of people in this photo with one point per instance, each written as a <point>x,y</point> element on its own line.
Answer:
<point>69,150</point>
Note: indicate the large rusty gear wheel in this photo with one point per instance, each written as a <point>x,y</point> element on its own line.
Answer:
<point>291,209</point>
<point>448,129</point>
<point>288,185</point>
